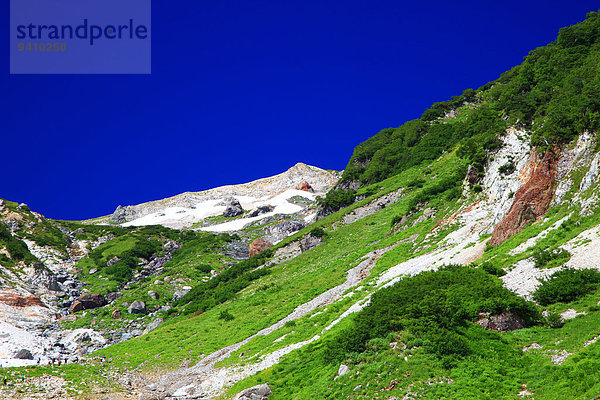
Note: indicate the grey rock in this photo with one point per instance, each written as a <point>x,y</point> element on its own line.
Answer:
<point>233,208</point>
<point>153,294</point>
<point>137,307</point>
<point>23,354</point>
<point>507,321</point>
<point>2,204</point>
<point>238,249</point>
<point>343,370</point>
<point>113,261</point>
<point>258,392</point>
<point>122,215</point>
<point>154,324</point>
<point>179,294</point>
<point>261,210</point>
<point>137,332</point>
<point>281,231</point>
<point>171,245</point>
<point>309,242</point>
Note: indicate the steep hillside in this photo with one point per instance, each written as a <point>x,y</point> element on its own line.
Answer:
<point>458,258</point>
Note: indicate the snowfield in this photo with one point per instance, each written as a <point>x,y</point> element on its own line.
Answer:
<point>211,208</point>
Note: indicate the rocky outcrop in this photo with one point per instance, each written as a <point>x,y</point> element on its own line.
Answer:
<point>505,322</point>
<point>122,215</point>
<point>23,354</point>
<point>258,392</point>
<point>259,245</point>
<point>309,242</point>
<point>280,231</point>
<point>304,186</point>
<point>233,208</point>
<point>531,202</point>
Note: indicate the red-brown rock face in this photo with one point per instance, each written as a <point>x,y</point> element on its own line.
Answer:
<point>258,246</point>
<point>17,300</point>
<point>531,202</point>
<point>305,186</point>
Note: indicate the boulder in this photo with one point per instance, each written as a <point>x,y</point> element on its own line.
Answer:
<point>507,321</point>
<point>153,294</point>
<point>76,306</point>
<point>233,208</point>
<point>261,210</point>
<point>343,370</point>
<point>259,245</point>
<point>92,300</point>
<point>258,392</point>
<point>23,354</point>
<point>304,186</point>
<point>137,307</point>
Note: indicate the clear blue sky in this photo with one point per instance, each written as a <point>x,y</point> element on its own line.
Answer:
<point>245,89</point>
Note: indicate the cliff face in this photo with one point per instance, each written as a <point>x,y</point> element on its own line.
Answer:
<point>531,201</point>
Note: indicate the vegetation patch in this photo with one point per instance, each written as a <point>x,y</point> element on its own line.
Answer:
<point>567,285</point>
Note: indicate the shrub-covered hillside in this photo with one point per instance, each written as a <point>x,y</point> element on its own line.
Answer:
<point>555,93</point>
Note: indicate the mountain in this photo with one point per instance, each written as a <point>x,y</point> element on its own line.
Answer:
<point>190,208</point>
<point>456,258</point>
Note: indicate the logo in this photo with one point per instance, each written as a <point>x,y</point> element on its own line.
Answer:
<point>80,37</point>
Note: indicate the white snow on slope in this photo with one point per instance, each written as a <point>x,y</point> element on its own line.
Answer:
<point>211,208</point>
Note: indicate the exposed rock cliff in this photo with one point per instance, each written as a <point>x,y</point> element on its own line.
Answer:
<point>531,201</point>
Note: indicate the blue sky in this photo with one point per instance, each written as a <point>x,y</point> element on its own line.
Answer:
<point>244,90</point>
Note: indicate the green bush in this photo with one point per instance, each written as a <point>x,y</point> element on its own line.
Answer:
<point>492,269</point>
<point>18,249</point>
<point>318,232</point>
<point>203,268</point>
<point>226,315</point>
<point>337,199</point>
<point>545,257</point>
<point>566,285</point>
<point>507,169</point>
<point>436,306</point>
<point>553,320</point>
